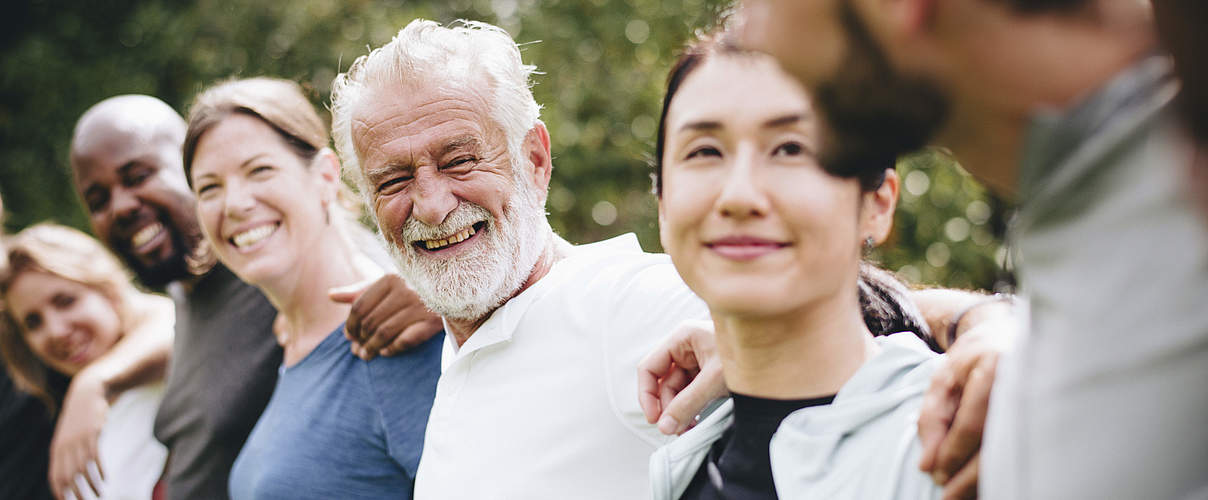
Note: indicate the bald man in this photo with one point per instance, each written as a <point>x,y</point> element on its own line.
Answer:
<point>126,160</point>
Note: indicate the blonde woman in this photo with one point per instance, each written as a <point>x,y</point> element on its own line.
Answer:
<point>67,302</point>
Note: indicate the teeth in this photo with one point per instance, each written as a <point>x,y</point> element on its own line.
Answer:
<point>146,234</point>
<point>253,236</point>
<point>456,238</point>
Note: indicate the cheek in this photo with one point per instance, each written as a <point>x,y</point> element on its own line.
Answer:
<point>392,212</point>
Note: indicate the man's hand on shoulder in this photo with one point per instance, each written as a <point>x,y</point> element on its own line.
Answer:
<point>953,414</point>
<point>387,317</point>
<point>680,377</point>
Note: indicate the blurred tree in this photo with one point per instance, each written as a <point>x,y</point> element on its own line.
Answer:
<point>603,64</point>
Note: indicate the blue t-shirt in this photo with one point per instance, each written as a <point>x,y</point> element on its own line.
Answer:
<point>341,427</point>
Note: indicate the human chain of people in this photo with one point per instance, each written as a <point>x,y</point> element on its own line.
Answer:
<point>232,329</point>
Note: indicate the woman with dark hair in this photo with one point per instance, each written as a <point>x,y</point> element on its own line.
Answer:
<point>269,202</point>
<point>823,354</point>
<point>66,303</point>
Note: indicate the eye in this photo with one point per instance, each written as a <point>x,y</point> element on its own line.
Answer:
<point>63,300</point>
<point>32,322</point>
<point>260,170</point>
<point>789,149</point>
<point>96,202</point>
<point>703,152</point>
<point>136,176</point>
<point>392,185</point>
<point>208,187</point>
<point>460,161</point>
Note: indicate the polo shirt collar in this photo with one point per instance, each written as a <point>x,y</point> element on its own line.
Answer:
<point>501,325</point>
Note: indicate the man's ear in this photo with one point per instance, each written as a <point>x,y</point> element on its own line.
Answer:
<point>876,216</point>
<point>537,152</point>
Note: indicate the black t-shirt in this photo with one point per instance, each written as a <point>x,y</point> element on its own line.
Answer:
<point>739,465</point>
<point>224,367</point>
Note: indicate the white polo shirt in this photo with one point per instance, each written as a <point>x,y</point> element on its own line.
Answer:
<point>541,401</point>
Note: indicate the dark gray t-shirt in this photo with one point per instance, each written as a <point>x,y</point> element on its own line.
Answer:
<point>223,371</point>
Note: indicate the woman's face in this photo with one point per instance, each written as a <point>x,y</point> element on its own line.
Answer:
<point>66,324</point>
<point>260,206</point>
<point>751,221</point>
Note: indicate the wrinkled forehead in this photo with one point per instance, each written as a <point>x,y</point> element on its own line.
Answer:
<point>412,115</point>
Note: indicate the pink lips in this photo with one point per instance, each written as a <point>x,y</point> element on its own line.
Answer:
<point>744,247</point>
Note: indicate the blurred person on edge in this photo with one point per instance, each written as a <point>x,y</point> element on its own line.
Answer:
<point>26,425</point>
<point>1064,106</point>
<point>126,160</point>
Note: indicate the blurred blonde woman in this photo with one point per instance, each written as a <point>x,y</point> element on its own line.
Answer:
<point>66,302</point>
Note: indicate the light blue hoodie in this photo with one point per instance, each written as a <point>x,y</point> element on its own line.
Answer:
<point>864,445</point>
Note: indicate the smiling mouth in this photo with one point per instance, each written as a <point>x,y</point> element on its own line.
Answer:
<point>438,244</point>
<point>146,234</point>
<point>245,239</point>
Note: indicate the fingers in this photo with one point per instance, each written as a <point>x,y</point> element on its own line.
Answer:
<point>356,328</point>
<point>681,411</point>
<point>936,415</point>
<point>414,334</point>
<point>963,485</point>
<point>650,371</point>
<point>349,293</point>
<point>673,384</point>
<point>964,438</point>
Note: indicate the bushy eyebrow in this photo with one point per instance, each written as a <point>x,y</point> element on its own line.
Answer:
<point>466,141</point>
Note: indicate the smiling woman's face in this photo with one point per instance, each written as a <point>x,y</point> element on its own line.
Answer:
<point>262,208</point>
<point>65,323</point>
<point>751,221</point>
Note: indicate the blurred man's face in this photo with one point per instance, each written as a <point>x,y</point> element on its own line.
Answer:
<point>873,112</point>
<point>138,201</point>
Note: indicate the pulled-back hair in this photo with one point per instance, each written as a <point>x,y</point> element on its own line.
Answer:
<point>884,300</point>
<point>280,104</point>
<point>68,254</point>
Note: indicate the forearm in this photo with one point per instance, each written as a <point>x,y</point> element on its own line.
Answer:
<point>143,353</point>
<point>942,307</point>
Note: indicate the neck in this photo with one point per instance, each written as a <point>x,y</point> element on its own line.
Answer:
<point>1050,61</point>
<point>555,250</point>
<point>307,314</point>
<point>803,354</point>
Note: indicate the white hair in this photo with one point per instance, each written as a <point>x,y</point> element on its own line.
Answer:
<point>424,53</point>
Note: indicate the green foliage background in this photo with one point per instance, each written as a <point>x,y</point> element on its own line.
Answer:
<point>603,63</point>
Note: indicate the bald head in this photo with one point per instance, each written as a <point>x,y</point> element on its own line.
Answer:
<point>126,118</point>
<point>126,161</point>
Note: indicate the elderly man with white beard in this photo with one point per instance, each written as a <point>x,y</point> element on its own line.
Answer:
<point>439,130</point>
<point>537,396</point>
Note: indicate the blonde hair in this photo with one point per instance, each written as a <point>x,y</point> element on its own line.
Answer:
<point>69,254</point>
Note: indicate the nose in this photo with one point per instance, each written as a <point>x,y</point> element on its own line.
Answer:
<point>741,196</point>
<point>124,204</point>
<point>237,200</point>
<point>431,199</point>
<point>57,327</point>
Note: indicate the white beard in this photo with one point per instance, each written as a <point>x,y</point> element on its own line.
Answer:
<point>473,284</point>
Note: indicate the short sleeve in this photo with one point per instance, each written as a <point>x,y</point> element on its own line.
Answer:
<point>404,387</point>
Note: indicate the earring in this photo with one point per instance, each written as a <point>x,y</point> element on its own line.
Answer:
<point>868,243</point>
